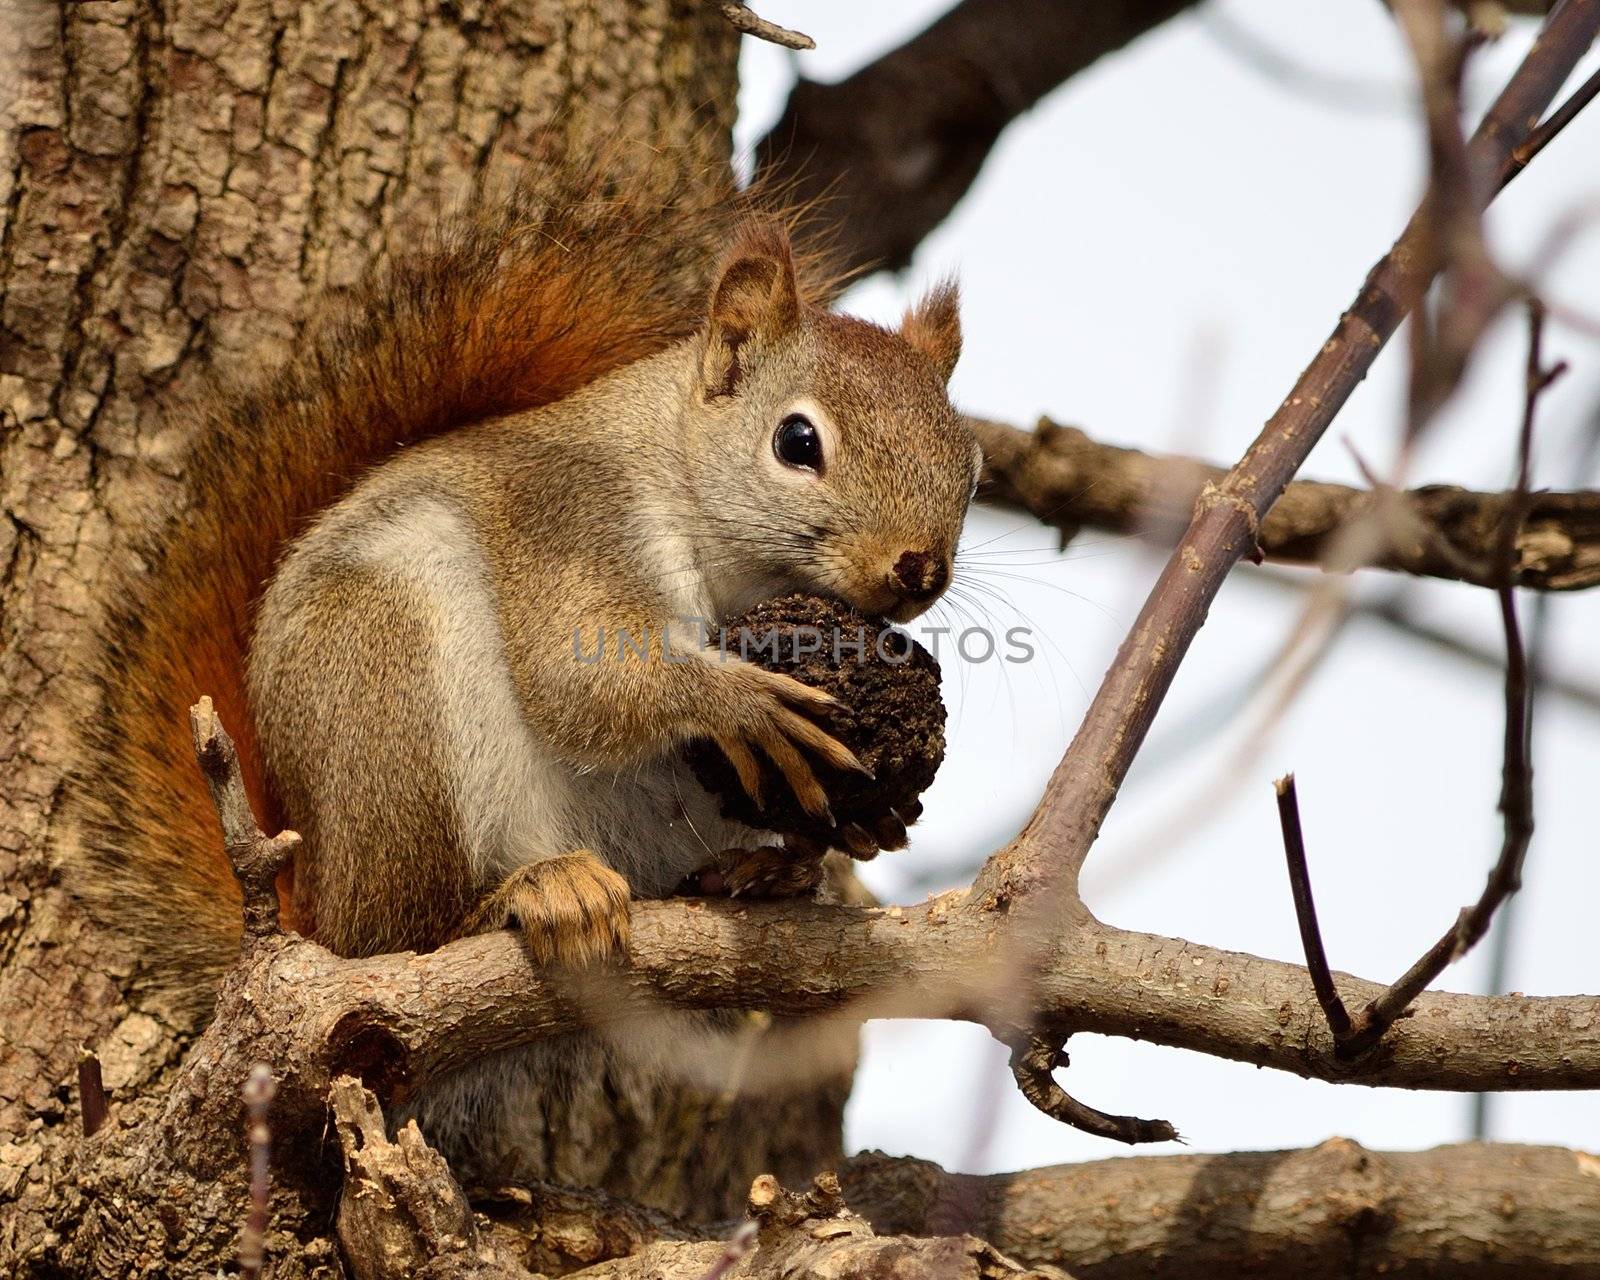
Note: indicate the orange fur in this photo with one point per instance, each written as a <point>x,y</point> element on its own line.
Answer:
<point>933,327</point>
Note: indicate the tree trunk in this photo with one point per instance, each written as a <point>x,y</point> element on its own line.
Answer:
<point>178,183</point>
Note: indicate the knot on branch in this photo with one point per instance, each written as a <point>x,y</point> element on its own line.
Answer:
<point>773,1205</point>
<point>255,857</point>
<point>1213,495</point>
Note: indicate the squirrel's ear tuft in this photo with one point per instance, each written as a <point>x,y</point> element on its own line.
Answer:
<point>754,298</point>
<point>933,327</point>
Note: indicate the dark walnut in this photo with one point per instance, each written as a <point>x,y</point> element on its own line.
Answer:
<point>892,716</point>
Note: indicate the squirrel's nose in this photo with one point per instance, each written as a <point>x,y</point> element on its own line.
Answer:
<point>921,575</point>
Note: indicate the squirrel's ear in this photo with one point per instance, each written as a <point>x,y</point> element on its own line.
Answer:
<point>754,298</point>
<point>933,327</point>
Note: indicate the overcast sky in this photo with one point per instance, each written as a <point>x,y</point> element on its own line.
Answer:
<point>1154,254</point>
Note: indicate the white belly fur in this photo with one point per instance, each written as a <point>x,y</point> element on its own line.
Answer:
<point>515,800</point>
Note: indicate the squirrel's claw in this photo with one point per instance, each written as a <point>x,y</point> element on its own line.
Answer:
<point>857,841</point>
<point>744,764</point>
<point>800,694</point>
<point>798,774</point>
<point>890,832</point>
<point>770,712</point>
<point>768,871</point>
<point>821,743</point>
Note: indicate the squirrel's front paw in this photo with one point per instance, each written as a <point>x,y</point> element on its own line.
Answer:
<point>571,910</point>
<point>767,716</point>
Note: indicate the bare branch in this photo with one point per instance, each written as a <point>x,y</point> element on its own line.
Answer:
<point>255,857</point>
<point>1473,289</point>
<point>891,149</point>
<point>408,1019</point>
<point>739,15</point>
<point>1305,910</point>
<point>1336,1211</point>
<point>1070,481</point>
<point>1558,120</point>
<point>1035,1058</point>
<point>744,1235</point>
<point>258,1090</point>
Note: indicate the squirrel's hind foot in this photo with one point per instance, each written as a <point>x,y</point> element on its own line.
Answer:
<point>571,910</point>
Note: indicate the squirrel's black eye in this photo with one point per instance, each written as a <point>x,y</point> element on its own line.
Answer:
<point>798,443</point>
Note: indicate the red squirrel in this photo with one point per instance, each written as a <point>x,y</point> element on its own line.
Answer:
<point>596,404</point>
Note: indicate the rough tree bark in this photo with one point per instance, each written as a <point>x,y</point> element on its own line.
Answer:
<point>177,182</point>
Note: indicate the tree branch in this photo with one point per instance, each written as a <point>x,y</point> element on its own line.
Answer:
<point>1065,479</point>
<point>1558,120</point>
<point>1034,1061</point>
<point>255,857</point>
<point>891,149</point>
<point>434,1013</point>
<point>1332,1212</point>
<point>743,20</point>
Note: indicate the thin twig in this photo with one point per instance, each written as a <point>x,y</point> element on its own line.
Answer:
<point>1558,120</point>
<point>751,25</point>
<point>1305,909</point>
<point>255,857</point>
<point>1502,944</point>
<point>1033,1060</point>
<point>1516,787</point>
<point>258,1091</point>
<point>91,1092</point>
<point>744,1235</point>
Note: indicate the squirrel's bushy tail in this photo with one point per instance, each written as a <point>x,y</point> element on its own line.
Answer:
<point>509,306</point>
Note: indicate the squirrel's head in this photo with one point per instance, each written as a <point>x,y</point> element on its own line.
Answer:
<point>827,451</point>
